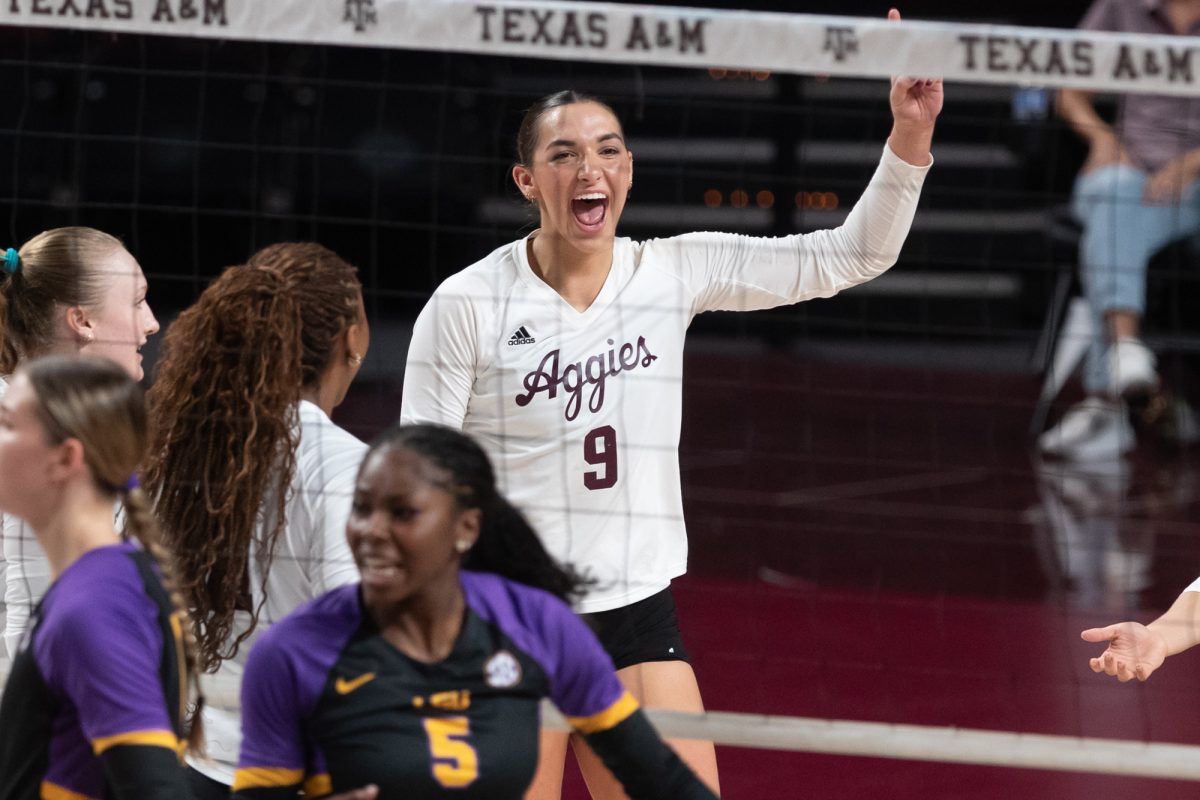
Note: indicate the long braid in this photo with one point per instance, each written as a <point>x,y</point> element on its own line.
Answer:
<point>94,401</point>
<point>140,522</point>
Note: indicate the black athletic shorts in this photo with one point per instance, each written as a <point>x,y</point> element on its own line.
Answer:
<point>646,631</point>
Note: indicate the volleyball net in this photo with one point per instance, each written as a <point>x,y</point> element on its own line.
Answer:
<point>876,567</point>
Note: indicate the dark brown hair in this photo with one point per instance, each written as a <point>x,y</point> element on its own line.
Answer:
<point>527,133</point>
<point>223,419</point>
<point>95,401</point>
<point>57,269</point>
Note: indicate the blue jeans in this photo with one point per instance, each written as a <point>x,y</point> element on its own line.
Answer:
<point>1120,234</point>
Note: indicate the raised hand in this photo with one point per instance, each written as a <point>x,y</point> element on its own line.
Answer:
<point>916,103</point>
<point>1134,651</point>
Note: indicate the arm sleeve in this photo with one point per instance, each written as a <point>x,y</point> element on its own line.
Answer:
<point>136,772</point>
<point>272,762</point>
<point>441,366</point>
<point>644,764</point>
<point>728,272</point>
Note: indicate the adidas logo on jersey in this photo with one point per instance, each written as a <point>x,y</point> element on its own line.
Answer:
<point>521,336</point>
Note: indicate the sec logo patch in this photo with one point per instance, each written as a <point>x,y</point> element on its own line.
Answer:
<point>502,670</point>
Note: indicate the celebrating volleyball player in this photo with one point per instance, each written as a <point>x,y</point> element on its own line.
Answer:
<point>425,680</point>
<point>67,290</point>
<point>96,701</point>
<point>252,479</point>
<point>563,353</point>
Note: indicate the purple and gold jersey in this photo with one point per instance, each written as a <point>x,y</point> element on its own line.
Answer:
<point>94,701</point>
<point>330,705</point>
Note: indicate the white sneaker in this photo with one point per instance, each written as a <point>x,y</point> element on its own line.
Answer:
<point>1187,425</point>
<point>1094,430</point>
<point>1131,368</point>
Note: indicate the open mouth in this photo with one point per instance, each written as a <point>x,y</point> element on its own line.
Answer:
<point>374,570</point>
<point>590,210</point>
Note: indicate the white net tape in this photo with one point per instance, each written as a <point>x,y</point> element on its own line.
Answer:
<point>885,740</point>
<point>890,740</point>
<point>682,37</point>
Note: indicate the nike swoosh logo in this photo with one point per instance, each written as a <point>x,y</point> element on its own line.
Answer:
<point>343,686</point>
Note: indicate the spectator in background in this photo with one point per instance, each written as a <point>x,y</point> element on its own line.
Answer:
<point>1136,193</point>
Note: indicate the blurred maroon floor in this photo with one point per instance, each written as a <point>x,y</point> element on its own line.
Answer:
<point>874,543</point>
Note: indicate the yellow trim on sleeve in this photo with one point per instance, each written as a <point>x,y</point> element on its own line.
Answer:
<point>165,739</point>
<point>52,791</point>
<point>266,778</point>
<point>610,717</point>
<point>318,785</point>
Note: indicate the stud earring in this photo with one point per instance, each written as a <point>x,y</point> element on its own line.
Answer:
<point>355,359</point>
<point>462,546</point>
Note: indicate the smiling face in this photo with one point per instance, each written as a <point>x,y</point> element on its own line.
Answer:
<point>579,174</point>
<point>404,525</point>
<point>121,321</point>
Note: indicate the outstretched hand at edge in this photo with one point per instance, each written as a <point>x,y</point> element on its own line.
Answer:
<point>916,104</point>
<point>1134,651</point>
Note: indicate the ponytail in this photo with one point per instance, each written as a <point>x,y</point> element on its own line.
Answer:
<point>223,434</point>
<point>507,545</point>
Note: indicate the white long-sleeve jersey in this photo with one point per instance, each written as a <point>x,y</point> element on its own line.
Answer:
<point>580,411</point>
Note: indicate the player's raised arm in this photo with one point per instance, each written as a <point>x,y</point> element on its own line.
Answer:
<point>916,104</point>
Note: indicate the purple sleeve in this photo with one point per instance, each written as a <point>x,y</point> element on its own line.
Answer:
<point>583,682</point>
<point>105,656</point>
<point>272,735</point>
<point>285,675</point>
<point>1101,16</point>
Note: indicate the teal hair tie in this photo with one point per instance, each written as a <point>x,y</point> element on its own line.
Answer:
<point>12,261</point>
